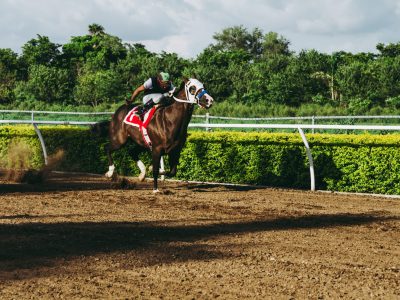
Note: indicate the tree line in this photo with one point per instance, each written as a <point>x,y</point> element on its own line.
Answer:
<point>240,66</point>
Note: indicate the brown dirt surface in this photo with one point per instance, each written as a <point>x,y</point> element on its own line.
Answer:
<point>84,237</point>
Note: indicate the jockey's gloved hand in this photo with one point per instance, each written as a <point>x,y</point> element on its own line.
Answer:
<point>171,92</point>
<point>128,101</point>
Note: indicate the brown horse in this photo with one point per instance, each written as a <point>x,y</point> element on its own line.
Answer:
<point>167,130</point>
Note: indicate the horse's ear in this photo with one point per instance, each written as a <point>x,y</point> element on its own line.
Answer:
<point>182,85</point>
<point>185,79</point>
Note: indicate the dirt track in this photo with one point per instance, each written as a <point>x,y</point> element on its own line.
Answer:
<point>80,237</point>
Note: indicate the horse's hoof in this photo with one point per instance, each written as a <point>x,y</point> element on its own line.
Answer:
<point>110,171</point>
<point>156,191</point>
<point>142,176</point>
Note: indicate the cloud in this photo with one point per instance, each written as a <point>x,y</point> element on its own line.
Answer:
<point>187,26</point>
<point>345,17</point>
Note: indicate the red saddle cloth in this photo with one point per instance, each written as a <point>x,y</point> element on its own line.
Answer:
<point>134,120</point>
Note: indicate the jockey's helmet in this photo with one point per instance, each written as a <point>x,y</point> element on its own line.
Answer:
<point>163,79</point>
<point>163,76</point>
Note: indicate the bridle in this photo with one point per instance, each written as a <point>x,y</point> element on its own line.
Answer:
<point>194,91</point>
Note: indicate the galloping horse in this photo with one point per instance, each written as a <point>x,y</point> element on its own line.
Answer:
<point>167,130</point>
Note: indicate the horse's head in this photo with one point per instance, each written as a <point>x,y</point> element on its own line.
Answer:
<point>196,93</point>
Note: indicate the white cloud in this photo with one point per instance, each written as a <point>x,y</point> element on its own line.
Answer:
<point>187,26</point>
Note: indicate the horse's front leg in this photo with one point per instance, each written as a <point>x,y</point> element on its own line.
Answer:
<point>134,153</point>
<point>173,159</point>
<point>156,156</point>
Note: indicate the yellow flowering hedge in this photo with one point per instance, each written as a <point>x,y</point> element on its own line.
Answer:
<point>354,163</point>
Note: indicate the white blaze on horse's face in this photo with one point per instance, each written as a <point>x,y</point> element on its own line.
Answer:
<point>196,93</point>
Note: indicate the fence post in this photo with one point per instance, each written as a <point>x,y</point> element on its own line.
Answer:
<point>39,134</point>
<point>313,123</point>
<point>208,121</point>
<point>310,159</point>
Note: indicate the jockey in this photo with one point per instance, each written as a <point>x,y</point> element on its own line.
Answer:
<point>155,89</point>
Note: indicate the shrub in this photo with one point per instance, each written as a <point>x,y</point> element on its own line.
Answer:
<point>353,163</point>
<point>358,106</point>
<point>393,102</point>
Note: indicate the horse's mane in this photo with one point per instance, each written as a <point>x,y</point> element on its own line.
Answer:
<point>168,101</point>
<point>181,86</point>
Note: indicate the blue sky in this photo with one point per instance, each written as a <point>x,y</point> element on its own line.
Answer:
<point>187,26</point>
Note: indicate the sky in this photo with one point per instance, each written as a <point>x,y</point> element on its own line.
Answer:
<point>186,27</point>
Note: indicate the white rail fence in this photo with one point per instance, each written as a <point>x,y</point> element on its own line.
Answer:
<point>207,125</point>
<point>312,120</point>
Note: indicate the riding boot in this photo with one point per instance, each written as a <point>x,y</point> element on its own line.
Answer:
<point>139,111</point>
<point>148,106</point>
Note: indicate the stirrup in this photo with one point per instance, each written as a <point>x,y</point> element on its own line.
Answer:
<point>139,112</point>
<point>145,109</point>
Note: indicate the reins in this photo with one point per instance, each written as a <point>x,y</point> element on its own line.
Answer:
<point>183,100</point>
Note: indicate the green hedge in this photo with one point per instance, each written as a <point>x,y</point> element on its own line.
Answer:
<point>353,163</point>
<point>83,151</point>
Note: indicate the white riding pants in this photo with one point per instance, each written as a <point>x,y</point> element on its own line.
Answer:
<point>156,98</point>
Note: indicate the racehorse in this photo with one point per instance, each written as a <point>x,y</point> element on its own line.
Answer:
<point>167,129</point>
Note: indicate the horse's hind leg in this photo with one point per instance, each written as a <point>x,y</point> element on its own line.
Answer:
<point>110,148</point>
<point>140,164</point>
<point>142,168</point>
<point>111,167</point>
<point>117,135</point>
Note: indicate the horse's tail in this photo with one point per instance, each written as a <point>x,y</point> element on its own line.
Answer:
<point>100,128</point>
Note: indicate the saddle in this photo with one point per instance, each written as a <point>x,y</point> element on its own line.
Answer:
<point>134,120</point>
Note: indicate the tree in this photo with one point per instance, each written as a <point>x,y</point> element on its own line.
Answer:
<point>40,51</point>
<point>388,76</point>
<point>135,67</point>
<point>239,74</point>
<point>238,38</point>
<point>90,59</point>
<point>97,87</point>
<point>98,49</point>
<point>241,65</point>
<point>96,29</point>
<point>287,85</point>
<point>316,73</point>
<point>107,50</point>
<point>390,50</point>
<point>358,80</point>
<point>77,49</point>
<point>273,45</point>
<point>47,84</point>
<point>8,74</point>
<point>215,68</point>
